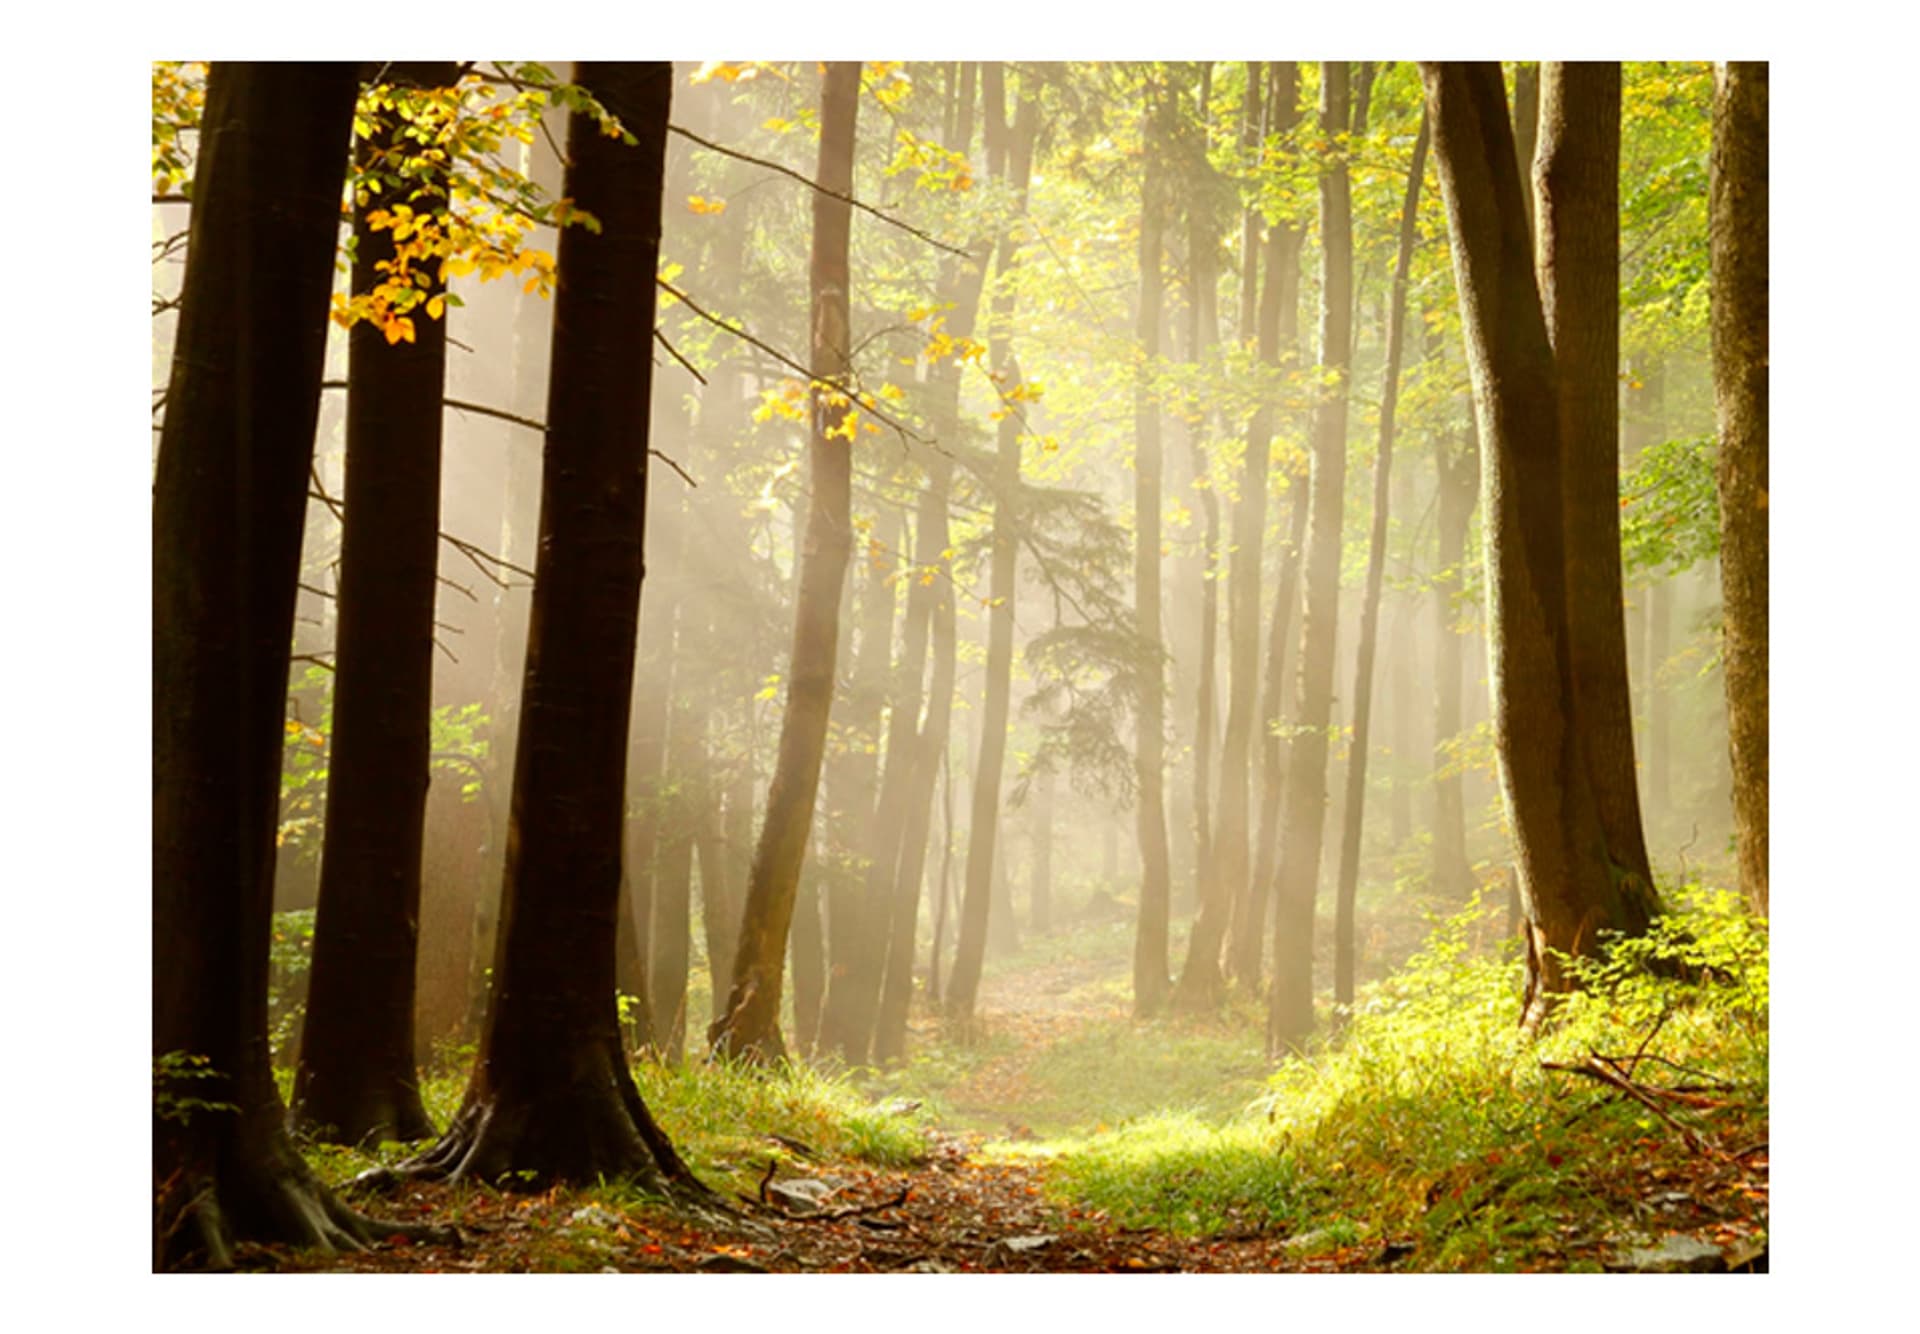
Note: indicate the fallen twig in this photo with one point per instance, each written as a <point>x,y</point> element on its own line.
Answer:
<point>1594,1068</point>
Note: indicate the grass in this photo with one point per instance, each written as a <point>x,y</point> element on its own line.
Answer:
<point>1432,1121</point>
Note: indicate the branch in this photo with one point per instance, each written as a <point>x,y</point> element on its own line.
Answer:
<point>674,352</point>
<point>475,554</point>
<point>811,184</point>
<point>740,332</point>
<point>316,659</point>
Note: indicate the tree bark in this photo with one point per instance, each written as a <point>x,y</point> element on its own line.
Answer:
<point>751,1026</point>
<point>1738,230</point>
<point>1344,960</point>
<point>1568,892</point>
<point>230,496</point>
<point>1577,256</point>
<point>356,1080</point>
<point>1290,1007</point>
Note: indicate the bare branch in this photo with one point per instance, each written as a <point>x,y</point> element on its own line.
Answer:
<point>811,184</point>
<point>674,352</point>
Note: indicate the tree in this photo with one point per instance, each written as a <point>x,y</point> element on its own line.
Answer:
<point>1010,156</point>
<point>551,1095</point>
<point>1577,254</point>
<point>356,1077</point>
<point>1290,1006</point>
<point>1151,984</point>
<point>1569,894</point>
<point>1348,884</point>
<point>230,492</point>
<point>1738,209</point>
<point>1247,941</point>
<point>751,1025</point>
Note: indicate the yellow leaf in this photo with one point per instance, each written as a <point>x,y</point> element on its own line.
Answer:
<point>700,204</point>
<point>436,307</point>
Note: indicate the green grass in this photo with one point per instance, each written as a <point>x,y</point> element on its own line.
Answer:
<point>1432,1119</point>
<point>720,1117</point>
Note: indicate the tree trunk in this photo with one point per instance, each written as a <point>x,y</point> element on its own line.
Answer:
<point>1290,1008</point>
<point>853,985</point>
<point>1201,979</point>
<point>1568,891</point>
<point>1151,984</point>
<point>1247,939</point>
<point>1738,227</point>
<point>356,1080</point>
<point>930,613</point>
<point>1457,463</point>
<point>551,1097</point>
<point>970,953</point>
<point>230,496</point>
<point>1577,210</point>
<point>751,1026</point>
<point>1645,409</point>
<point>1343,932</point>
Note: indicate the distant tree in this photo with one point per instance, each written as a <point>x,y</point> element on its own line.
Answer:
<point>1010,151</point>
<point>356,1077</point>
<point>230,495</point>
<point>1569,891</point>
<point>1296,883</point>
<point>1151,984</point>
<point>1738,206</point>
<point>751,1025</point>
<point>1344,960</point>
<point>551,1094</point>
<point>1456,457</point>
<point>1247,940</point>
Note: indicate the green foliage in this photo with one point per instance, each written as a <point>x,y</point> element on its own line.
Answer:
<point>173,1073</point>
<point>1670,508</point>
<point>290,957</point>
<point>1433,1116</point>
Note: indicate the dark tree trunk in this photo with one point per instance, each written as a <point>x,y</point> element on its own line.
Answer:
<point>230,498</point>
<point>1577,210</point>
<point>751,1026</point>
<point>1568,891</point>
<point>1296,884</point>
<point>1016,150</point>
<point>1344,961</point>
<point>1248,925</point>
<point>1738,227</point>
<point>551,1095</point>
<point>356,1080</point>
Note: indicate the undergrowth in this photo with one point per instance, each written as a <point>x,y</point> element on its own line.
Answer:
<point>1432,1121</point>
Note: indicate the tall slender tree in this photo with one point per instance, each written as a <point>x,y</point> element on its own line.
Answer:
<point>551,1095</point>
<point>1296,883</point>
<point>229,498</point>
<point>1151,984</point>
<point>1012,146</point>
<point>751,1025</point>
<point>1737,207</point>
<point>1348,884</point>
<point>356,1077</point>
<point>1248,924</point>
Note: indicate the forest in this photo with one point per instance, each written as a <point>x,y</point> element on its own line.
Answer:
<point>960,667</point>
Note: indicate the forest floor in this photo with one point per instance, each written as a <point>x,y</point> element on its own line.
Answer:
<point>1056,1057</point>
